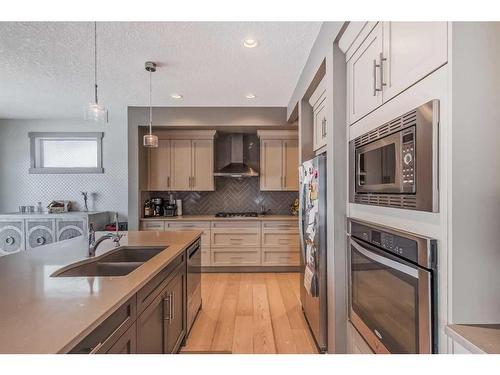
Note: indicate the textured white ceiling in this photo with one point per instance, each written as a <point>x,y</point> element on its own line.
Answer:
<point>46,68</point>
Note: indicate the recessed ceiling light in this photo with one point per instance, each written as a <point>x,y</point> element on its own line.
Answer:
<point>250,96</point>
<point>176,96</point>
<point>250,43</point>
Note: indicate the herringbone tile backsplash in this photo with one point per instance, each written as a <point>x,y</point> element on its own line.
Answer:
<point>234,195</point>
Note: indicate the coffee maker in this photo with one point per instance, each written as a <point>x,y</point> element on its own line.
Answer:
<point>157,205</point>
<point>170,207</point>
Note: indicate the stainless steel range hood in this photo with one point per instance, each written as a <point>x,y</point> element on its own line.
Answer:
<point>237,168</point>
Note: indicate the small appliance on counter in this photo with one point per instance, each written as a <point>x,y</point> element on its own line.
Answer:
<point>148,208</point>
<point>157,205</point>
<point>170,208</point>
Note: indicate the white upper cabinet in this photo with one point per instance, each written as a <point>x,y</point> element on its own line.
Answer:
<point>386,58</point>
<point>363,78</point>
<point>318,103</point>
<point>412,50</point>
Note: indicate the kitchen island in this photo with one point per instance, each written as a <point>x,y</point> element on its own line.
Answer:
<point>40,313</point>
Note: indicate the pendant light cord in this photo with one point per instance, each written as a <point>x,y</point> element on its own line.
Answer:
<point>150,106</point>
<point>95,61</point>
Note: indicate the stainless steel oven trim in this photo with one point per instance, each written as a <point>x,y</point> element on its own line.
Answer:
<point>397,186</point>
<point>424,310</point>
<point>385,261</point>
<point>425,244</point>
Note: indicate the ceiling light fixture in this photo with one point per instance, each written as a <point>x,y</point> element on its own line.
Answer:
<point>176,96</point>
<point>96,112</point>
<point>250,96</point>
<point>250,43</point>
<point>150,140</point>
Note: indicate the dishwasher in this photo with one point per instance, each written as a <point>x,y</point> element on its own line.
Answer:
<point>193,283</point>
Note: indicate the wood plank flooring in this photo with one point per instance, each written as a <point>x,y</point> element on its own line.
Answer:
<point>246,313</point>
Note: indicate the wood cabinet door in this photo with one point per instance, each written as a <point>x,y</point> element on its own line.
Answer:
<point>181,164</point>
<point>271,164</point>
<point>413,50</point>
<point>175,326</point>
<point>126,344</point>
<point>363,77</point>
<point>202,165</point>
<point>291,164</point>
<point>159,166</point>
<point>150,326</point>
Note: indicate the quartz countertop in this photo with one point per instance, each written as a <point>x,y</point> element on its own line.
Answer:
<point>46,215</point>
<point>477,338</point>
<point>214,218</point>
<point>44,314</point>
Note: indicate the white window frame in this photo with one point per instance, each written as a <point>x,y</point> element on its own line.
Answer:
<point>35,156</point>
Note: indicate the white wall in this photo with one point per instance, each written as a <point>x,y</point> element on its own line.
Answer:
<point>18,187</point>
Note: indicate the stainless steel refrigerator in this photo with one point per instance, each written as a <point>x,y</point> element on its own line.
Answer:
<point>312,220</point>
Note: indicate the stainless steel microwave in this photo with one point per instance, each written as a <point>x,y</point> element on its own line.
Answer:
<point>396,164</point>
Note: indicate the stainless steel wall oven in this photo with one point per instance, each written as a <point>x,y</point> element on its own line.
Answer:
<point>392,288</point>
<point>396,164</point>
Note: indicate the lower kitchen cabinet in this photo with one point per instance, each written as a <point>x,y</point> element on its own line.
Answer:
<point>153,321</point>
<point>161,326</point>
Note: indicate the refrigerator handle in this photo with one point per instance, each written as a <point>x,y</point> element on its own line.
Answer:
<point>301,214</point>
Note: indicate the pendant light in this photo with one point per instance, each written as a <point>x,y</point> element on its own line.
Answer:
<point>96,112</point>
<point>150,140</point>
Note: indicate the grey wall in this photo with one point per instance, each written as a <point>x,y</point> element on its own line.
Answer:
<point>475,249</point>
<point>326,56</point>
<point>233,195</point>
<point>18,187</point>
<point>186,117</point>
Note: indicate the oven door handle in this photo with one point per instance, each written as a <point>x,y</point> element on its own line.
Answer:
<point>385,261</point>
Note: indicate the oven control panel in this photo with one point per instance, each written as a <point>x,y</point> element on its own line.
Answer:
<point>408,159</point>
<point>402,246</point>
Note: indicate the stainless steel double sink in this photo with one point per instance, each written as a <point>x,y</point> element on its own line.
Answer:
<point>118,262</point>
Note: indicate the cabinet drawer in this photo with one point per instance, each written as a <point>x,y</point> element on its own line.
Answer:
<point>149,292</point>
<point>153,225</point>
<point>280,238</point>
<point>229,257</point>
<point>126,344</point>
<point>187,225</point>
<point>102,339</point>
<point>235,237</point>
<point>273,257</point>
<point>236,224</point>
<point>281,224</point>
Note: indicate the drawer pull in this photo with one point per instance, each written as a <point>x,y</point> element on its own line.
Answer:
<point>236,258</point>
<point>96,348</point>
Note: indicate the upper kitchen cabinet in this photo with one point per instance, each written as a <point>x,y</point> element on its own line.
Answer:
<point>159,174</point>
<point>363,80</point>
<point>385,58</point>
<point>412,50</point>
<point>183,161</point>
<point>279,160</point>
<point>318,104</point>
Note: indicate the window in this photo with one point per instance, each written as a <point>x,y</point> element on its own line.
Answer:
<point>66,152</point>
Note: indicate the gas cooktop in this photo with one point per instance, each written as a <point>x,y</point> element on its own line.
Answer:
<point>236,214</point>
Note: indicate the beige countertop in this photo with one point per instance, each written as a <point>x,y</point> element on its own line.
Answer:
<point>44,314</point>
<point>477,338</point>
<point>213,218</point>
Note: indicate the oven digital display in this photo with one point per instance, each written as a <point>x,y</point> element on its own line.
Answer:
<point>408,137</point>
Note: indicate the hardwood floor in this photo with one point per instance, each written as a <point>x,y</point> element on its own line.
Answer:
<point>250,313</point>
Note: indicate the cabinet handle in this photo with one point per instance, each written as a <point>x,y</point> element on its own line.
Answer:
<point>168,181</point>
<point>382,59</point>
<point>323,127</point>
<point>172,307</point>
<point>96,348</point>
<point>10,240</point>
<point>375,66</point>
<point>40,240</point>
<point>167,299</point>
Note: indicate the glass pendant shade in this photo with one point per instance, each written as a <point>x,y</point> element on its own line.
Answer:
<point>97,113</point>
<point>150,140</point>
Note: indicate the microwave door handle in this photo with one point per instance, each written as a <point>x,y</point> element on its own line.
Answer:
<point>386,261</point>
